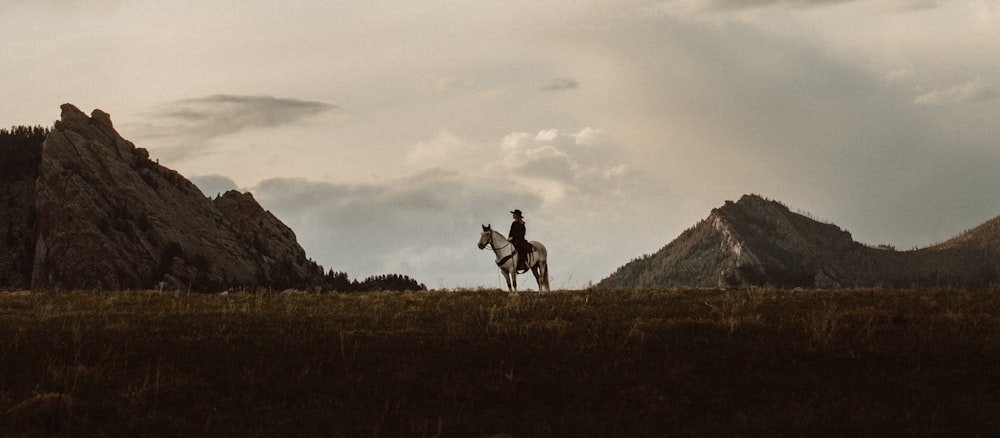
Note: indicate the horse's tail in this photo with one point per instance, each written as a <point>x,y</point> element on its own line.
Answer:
<point>543,265</point>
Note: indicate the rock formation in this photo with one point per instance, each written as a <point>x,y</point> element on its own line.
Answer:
<point>99,214</point>
<point>761,242</point>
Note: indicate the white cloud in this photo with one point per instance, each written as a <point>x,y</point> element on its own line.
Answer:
<point>558,164</point>
<point>550,162</point>
<point>448,151</point>
<point>974,90</point>
<point>530,159</point>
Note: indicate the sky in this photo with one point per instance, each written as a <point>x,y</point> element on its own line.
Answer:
<point>385,133</point>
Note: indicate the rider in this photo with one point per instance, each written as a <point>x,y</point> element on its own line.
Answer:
<point>516,236</point>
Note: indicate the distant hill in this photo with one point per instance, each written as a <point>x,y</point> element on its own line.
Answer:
<point>86,209</point>
<point>757,241</point>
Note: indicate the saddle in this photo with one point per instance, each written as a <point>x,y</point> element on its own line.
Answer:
<point>524,250</point>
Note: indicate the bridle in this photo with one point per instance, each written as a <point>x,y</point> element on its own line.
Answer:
<point>490,242</point>
<point>500,260</point>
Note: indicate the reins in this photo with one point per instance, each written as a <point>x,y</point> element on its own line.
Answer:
<point>495,249</point>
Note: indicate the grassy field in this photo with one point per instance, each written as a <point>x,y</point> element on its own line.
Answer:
<point>751,362</point>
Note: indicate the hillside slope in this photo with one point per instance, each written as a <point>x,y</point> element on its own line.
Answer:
<point>756,241</point>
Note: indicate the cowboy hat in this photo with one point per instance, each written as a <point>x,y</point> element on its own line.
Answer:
<point>517,212</point>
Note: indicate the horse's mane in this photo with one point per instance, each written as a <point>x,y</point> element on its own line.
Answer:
<point>497,234</point>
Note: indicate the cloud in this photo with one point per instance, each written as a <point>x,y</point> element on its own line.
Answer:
<point>211,185</point>
<point>190,124</point>
<point>425,225</point>
<point>560,84</point>
<point>224,114</point>
<point>571,186</point>
<point>560,164</point>
<point>449,151</point>
<point>550,163</point>
<point>975,90</point>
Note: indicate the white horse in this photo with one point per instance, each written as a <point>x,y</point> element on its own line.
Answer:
<point>507,258</point>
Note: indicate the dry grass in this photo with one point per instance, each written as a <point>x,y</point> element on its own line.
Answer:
<point>758,362</point>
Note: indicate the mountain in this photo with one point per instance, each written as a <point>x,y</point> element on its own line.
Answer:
<point>86,209</point>
<point>756,241</point>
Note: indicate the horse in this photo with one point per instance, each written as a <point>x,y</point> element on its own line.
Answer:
<point>507,258</point>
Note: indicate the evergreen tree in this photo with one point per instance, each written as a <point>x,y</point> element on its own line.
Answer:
<point>21,151</point>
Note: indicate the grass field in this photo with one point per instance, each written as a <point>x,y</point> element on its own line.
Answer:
<point>751,362</point>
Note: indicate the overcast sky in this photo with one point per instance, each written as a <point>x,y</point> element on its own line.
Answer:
<point>385,132</point>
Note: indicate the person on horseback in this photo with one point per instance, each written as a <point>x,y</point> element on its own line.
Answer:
<point>516,236</point>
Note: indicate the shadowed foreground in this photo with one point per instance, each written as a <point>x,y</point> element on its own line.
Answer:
<point>753,362</point>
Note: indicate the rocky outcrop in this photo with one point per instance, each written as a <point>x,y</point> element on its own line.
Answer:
<point>756,241</point>
<point>105,216</point>
<point>272,243</point>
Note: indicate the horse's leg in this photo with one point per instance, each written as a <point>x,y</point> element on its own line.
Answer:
<point>535,272</point>
<point>544,268</point>
<point>506,276</point>
<point>513,269</point>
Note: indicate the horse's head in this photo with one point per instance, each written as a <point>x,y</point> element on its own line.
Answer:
<point>486,237</point>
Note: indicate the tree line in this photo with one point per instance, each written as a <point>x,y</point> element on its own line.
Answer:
<point>335,281</point>
<point>21,151</point>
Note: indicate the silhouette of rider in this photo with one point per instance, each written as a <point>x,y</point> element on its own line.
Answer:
<point>516,236</point>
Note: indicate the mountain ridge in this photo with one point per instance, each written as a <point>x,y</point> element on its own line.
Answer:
<point>756,241</point>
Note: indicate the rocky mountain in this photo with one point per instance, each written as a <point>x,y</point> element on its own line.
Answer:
<point>94,212</point>
<point>756,241</point>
